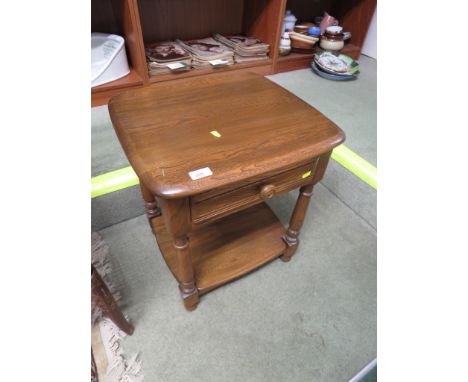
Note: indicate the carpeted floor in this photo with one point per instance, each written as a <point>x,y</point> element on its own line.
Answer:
<point>312,319</point>
<point>352,105</point>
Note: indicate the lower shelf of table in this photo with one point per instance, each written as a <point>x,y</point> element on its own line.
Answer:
<point>228,248</point>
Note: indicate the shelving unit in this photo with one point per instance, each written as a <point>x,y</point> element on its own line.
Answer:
<point>120,17</point>
<point>140,21</point>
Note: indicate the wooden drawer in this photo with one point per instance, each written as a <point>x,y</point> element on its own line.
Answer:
<point>209,206</point>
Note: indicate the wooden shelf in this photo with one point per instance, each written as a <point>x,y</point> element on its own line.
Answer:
<point>131,79</point>
<point>228,248</point>
<point>293,61</point>
<point>295,57</point>
<point>262,67</point>
<point>140,21</point>
<point>102,93</point>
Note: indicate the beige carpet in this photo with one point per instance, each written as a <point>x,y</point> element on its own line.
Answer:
<point>312,319</point>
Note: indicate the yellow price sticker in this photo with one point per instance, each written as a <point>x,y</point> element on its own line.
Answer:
<point>306,174</point>
<point>215,133</point>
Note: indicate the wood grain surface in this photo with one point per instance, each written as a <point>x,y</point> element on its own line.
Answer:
<point>164,20</point>
<point>165,131</point>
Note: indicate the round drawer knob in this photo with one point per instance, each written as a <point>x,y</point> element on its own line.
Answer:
<point>267,191</point>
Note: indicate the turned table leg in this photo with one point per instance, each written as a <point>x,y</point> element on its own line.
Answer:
<point>176,215</point>
<point>152,208</point>
<point>297,219</point>
<point>103,299</point>
<point>187,287</point>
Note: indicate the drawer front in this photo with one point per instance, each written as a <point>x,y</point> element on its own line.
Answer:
<point>206,207</point>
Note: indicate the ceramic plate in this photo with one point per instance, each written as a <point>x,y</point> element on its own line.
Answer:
<point>331,76</point>
<point>336,63</point>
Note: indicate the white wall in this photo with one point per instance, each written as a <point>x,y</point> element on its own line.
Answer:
<point>370,43</point>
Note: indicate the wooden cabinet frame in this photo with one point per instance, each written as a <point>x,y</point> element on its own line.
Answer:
<point>260,18</point>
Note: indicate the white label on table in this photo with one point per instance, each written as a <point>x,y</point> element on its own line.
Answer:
<point>176,65</point>
<point>200,173</point>
<point>218,62</point>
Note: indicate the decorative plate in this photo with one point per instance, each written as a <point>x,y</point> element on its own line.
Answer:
<point>336,63</point>
<point>332,76</point>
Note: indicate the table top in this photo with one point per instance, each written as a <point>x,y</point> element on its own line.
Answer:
<point>238,125</point>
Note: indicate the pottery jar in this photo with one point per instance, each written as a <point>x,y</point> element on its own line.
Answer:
<point>332,41</point>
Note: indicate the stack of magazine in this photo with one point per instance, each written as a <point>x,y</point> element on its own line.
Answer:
<point>165,57</point>
<point>208,52</point>
<point>246,49</point>
<point>216,51</point>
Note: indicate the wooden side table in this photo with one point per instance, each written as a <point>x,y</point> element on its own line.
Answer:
<point>209,152</point>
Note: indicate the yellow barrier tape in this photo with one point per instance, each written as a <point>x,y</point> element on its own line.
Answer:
<point>113,181</point>
<point>355,164</point>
